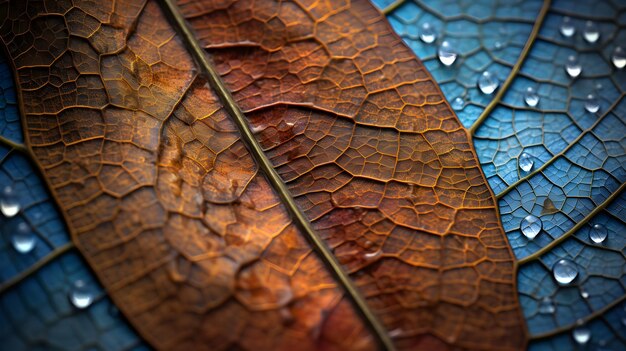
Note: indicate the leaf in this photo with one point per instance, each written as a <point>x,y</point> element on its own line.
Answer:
<point>578,173</point>
<point>192,241</point>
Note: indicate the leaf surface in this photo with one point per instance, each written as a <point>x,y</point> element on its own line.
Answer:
<point>191,241</point>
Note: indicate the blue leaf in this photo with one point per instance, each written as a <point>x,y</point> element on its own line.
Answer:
<point>579,156</point>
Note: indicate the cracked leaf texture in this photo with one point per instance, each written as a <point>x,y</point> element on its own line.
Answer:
<point>183,230</point>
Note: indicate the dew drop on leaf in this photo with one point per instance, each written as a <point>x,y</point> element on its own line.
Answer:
<point>567,27</point>
<point>487,83</point>
<point>546,306</point>
<point>9,204</point>
<point>531,97</point>
<point>573,67</point>
<point>591,33</point>
<point>598,233</point>
<point>525,162</point>
<point>23,239</point>
<point>80,295</point>
<point>531,226</point>
<point>428,33</point>
<point>619,57</point>
<point>564,271</point>
<point>458,103</point>
<point>581,334</point>
<point>447,54</point>
<point>592,104</point>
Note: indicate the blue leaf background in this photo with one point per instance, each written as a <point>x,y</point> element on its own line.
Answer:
<point>575,183</point>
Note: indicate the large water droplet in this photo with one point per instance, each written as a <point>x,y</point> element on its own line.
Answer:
<point>619,57</point>
<point>564,271</point>
<point>567,27</point>
<point>525,162</point>
<point>531,226</point>
<point>546,306</point>
<point>531,97</point>
<point>428,33</point>
<point>488,83</point>
<point>598,233</point>
<point>23,239</point>
<point>447,54</point>
<point>581,334</point>
<point>573,67</point>
<point>591,33</point>
<point>592,104</point>
<point>81,296</point>
<point>458,103</point>
<point>9,204</point>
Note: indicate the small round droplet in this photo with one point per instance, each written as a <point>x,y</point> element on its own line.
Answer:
<point>23,239</point>
<point>458,103</point>
<point>564,271</point>
<point>584,294</point>
<point>81,296</point>
<point>487,83</point>
<point>447,54</point>
<point>525,162</point>
<point>531,226</point>
<point>567,27</point>
<point>619,57</point>
<point>372,255</point>
<point>428,33</point>
<point>591,33</point>
<point>592,104</point>
<point>497,45</point>
<point>9,204</point>
<point>573,67</point>
<point>598,233</point>
<point>546,306</point>
<point>531,97</point>
<point>581,334</point>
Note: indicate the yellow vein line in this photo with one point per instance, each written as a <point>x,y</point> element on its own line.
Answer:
<point>13,145</point>
<point>515,69</point>
<point>586,319</point>
<point>574,229</point>
<point>561,153</point>
<point>387,10</point>
<point>36,266</point>
<point>264,163</point>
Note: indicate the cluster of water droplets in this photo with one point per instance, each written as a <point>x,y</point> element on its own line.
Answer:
<point>22,236</point>
<point>591,34</point>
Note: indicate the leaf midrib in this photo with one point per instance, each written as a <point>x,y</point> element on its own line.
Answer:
<point>298,217</point>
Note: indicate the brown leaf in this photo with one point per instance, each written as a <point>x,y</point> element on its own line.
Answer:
<point>190,238</point>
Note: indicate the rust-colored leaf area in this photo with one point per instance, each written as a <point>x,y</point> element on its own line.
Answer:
<point>376,159</point>
<point>186,233</point>
<point>161,195</point>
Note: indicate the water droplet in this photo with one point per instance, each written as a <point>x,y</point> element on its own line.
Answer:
<point>581,334</point>
<point>564,271</point>
<point>372,255</point>
<point>458,103</point>
<point>598,233</point>
<point>546,306</point>
<point>567,27</point>
<point>487,83</point>
<point>81,296</point>
<point>619,57</point>
<point>531,97</point>
<point>497,45</point>
<point>584,294</point>
<point>591,33</point>
<point>592,104</point>
<point>23,239</point>
<point>9,205</point>
<point>573,67</point>
<point>428,33</point>
<point>531,226</point>
<point>447,54</point>
<point>525,162</point>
